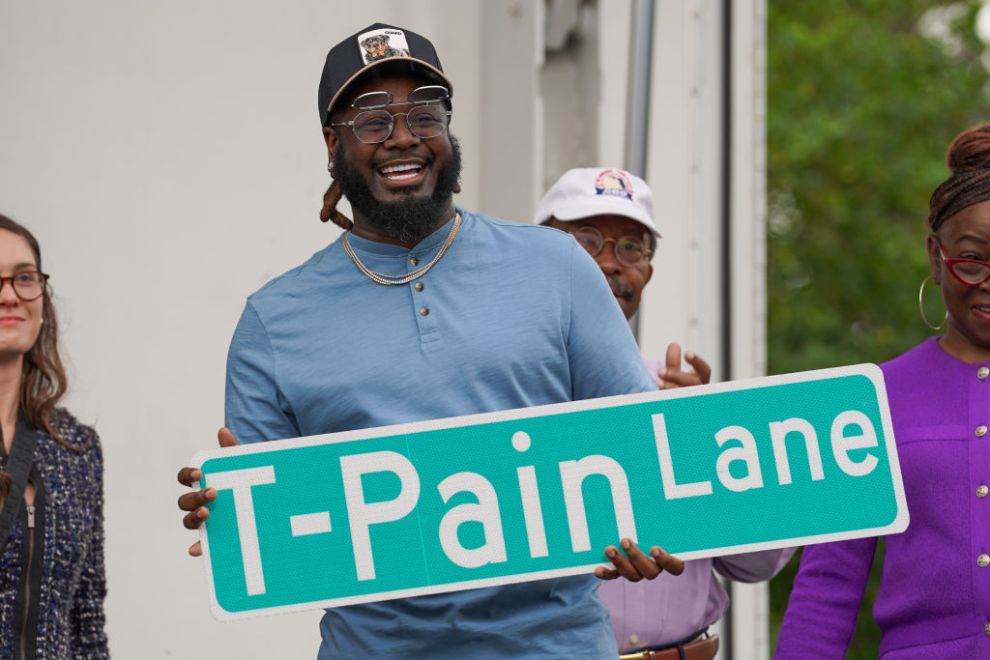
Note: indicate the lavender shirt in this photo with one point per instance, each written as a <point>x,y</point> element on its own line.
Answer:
<point>934,598</point>
<point>659,612</point>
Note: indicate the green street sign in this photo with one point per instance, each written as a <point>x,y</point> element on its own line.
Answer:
<point>538,493</point>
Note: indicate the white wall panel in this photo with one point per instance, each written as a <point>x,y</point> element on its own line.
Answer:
<point>169,157</point>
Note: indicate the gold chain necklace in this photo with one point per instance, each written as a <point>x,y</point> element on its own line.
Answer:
<point>393,280</point>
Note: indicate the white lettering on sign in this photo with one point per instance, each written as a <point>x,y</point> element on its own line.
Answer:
<point>746,454</point>
<point>671,489</point>
<point>307,524</point>
<point>843,444</point>
<point>778,434</point>
<point>529,493</point>
<point>362,514</point>
<point>743,450</point>
<point>241,482</point>
<point>484,511</point>
<point>737,468</point>
<point>572,476</point>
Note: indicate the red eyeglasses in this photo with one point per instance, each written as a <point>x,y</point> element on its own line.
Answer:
<point>970,272</point>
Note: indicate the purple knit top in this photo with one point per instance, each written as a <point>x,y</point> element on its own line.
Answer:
<point>934,598</point>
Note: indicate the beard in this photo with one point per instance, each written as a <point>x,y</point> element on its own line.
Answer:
<point>409,220</point>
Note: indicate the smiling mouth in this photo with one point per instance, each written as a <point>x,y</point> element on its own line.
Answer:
<point>400,173</point>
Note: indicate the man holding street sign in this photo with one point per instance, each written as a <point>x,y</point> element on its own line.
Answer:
<point>655,620</point>
<point>424,311</point>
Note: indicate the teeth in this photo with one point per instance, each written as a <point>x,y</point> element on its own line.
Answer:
<point>399,168</point>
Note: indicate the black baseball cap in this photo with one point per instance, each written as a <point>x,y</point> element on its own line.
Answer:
<point>369,48</point>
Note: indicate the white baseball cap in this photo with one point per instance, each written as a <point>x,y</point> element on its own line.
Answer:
<point>588,191</point>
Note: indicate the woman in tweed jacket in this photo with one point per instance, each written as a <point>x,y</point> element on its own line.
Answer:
<point>52,582</point>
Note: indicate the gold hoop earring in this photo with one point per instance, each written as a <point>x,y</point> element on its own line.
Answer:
<point>921,308</point>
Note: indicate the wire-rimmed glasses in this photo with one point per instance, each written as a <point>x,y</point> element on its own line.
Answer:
<point>629,250</point>
<point>427,119</point>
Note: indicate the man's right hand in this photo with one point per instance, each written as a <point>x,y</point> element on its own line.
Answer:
<point>194,504</point>
<point>672,375</point>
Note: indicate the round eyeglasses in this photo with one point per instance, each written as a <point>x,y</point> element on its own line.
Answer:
<point>375,126</point>
<point>427,119</point>
<point>629,250</point>
<point>28,286</point>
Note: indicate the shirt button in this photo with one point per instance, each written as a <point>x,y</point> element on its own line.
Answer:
<point>982,373</point>
<point>634,638</point>
<point>986,628</point>
<point>424,311</point>
<point>413,261</point>
<point>982,491</point>
<point>418,286</point>
<point>981,430</point>
<point>983,561</point>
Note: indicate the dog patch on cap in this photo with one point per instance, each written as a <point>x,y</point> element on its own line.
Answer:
<point>614,182</point>
<point>380,44</point>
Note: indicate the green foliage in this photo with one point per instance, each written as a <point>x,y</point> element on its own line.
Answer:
<point>861,109</point>
<point>864,98</point>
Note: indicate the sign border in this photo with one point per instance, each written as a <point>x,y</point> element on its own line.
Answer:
<point>869,370</point>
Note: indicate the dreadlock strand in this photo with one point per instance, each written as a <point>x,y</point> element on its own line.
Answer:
<point>329,211</point>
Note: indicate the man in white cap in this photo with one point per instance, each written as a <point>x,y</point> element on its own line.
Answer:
<point>599,206</point>
<point>666,619</point>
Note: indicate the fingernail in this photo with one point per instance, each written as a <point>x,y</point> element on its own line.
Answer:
<point>610,553</point>
<point>689,355</point>
<point>626,544</point>
<point>663,372</point>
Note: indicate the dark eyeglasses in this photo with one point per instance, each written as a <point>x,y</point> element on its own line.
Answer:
<point>970,272</point>
<point>427,119</point>
<point>28,286</point>
<point>629,250</point>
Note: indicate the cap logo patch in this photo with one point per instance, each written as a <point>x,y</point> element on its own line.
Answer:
<point>381,44</point>
<point>614,182</point>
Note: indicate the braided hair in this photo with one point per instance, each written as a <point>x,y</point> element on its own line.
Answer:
<point>968,159</point>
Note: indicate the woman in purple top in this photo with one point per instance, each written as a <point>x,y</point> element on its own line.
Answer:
<point>934,598</point>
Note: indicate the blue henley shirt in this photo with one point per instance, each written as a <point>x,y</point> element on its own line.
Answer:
<point>512,316</point>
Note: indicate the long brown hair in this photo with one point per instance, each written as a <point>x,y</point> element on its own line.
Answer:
<point>43,381</point>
